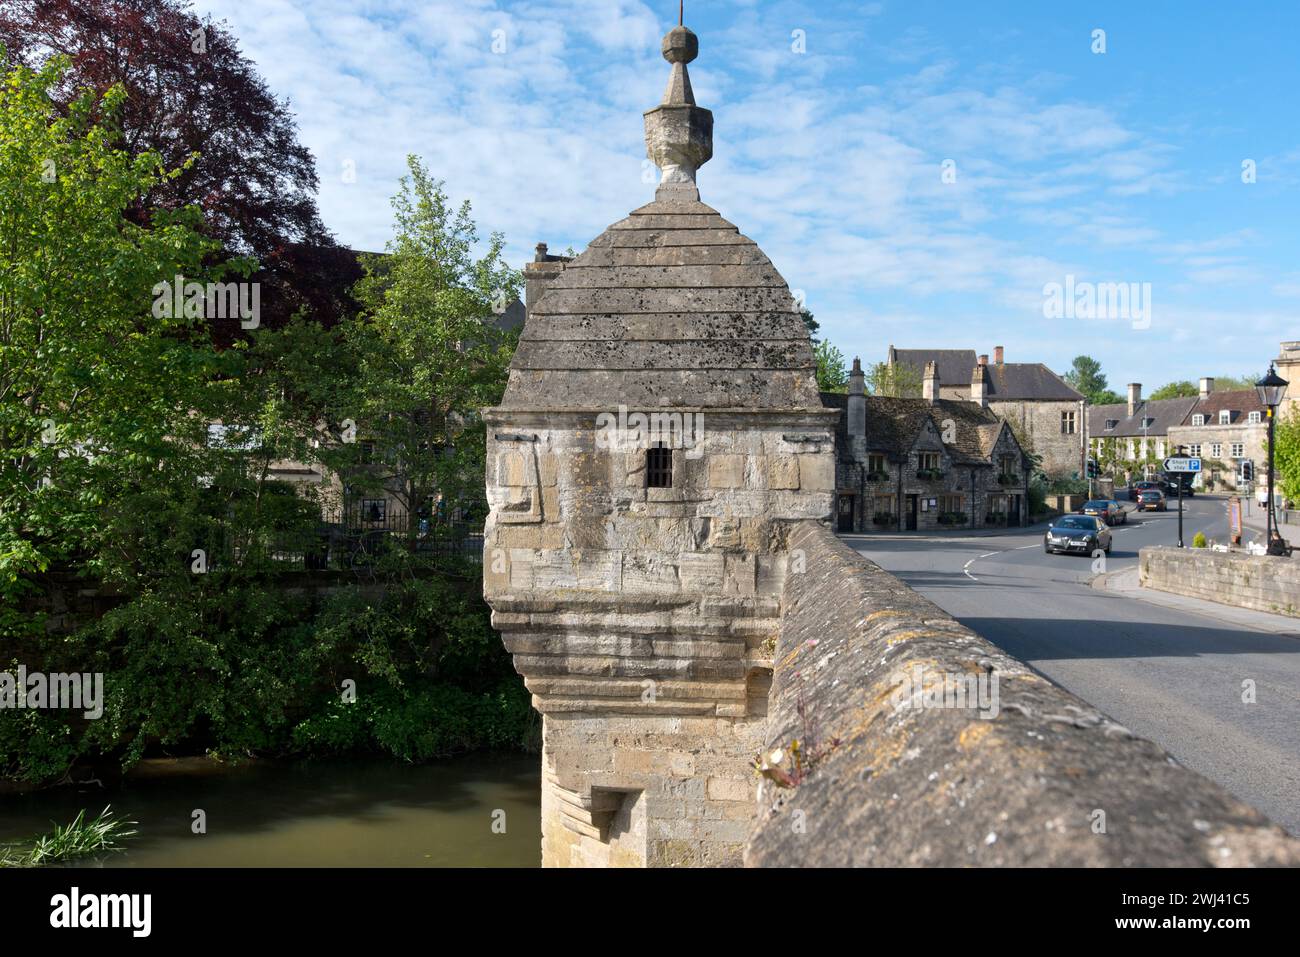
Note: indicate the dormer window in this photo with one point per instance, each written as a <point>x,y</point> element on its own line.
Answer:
<point>658,466</point>
<point>1198,420</point>
<point>1148,422</point>
<point>1254,418</point>
<point>1225,417</point>
<point>1110,424</point>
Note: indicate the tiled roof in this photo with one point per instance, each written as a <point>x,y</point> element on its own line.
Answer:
<point>1164,412</point>
<point>1008,380</point>
<point>1028,380</point>
<point>954,365</point>
<point>893,425</point>
<point>1240,403</point>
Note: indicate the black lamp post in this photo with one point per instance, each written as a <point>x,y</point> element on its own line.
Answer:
<point>1271,388</point>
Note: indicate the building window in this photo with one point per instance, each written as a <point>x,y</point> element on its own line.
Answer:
<point>1198,420</point>
<point>951,503</point>
<point>1067,423</point>
<point>1194,451</point>
<point>927,461</point>
<point>876,464</point>
<point>1216,450</point>
<point>658,466</point>
<point>883,505</point>
<point>1110,424</point>
<point>1238,450</point>
<point>1225,417</point>
<point>1148,422</point>
<point>1254,418</point>
<point>374,509</point>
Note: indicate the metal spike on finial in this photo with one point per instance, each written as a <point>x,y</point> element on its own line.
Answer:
<point>681,13</point>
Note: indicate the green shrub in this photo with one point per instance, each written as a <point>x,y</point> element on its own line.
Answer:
<point>1198,540</point>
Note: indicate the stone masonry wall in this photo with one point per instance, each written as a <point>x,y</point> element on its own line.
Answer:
<point>1040,424</point>
<point>643,621</point>
<point>902,774</point>
<point>1262,582</point>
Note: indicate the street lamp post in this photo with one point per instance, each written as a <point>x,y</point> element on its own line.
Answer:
<point>1270,389</point>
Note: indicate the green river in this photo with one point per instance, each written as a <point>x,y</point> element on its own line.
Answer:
<point>371,813</point>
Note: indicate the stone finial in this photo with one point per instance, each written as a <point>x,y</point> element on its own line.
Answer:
<point>679,134</point>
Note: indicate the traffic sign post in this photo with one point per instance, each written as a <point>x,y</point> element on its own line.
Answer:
<point>1181,465</point>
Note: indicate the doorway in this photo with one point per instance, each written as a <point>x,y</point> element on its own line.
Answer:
<point>845,512</point>
<point>911,513</point>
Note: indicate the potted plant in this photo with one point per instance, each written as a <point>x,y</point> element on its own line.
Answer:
<point>877,476</point>
<point>929,475</point>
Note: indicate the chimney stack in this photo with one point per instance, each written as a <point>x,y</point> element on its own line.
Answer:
<point>997,354</point>
<point>984,359</point>
<point>979,383</point>
<point>857,407</point>
<point>1207,386</point>
<point>930,384</point>
<point>1134,397</point>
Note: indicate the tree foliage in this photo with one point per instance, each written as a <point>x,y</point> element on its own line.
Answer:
<point>192,98</point>
<point>108,470</point>
<point>900,381</point>
<point>1287,457</point>
<point>832,374</point>
<point>1182,389</point>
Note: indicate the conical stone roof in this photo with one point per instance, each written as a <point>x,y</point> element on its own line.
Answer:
<point>670,308</point>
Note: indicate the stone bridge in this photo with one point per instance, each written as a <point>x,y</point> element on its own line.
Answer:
<point>720,680</point>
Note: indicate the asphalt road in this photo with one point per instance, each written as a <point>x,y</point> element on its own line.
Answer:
<point>1173,676</point>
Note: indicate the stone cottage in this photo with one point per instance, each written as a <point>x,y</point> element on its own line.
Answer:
<point>1131,438</point>
<point>1228,431</point>
<point>660,433</point>
<point>914,464</point>
<point>1043,409</point>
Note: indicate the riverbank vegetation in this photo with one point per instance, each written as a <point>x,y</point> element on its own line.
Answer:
<point>103,834</point>
<point>143,459</point>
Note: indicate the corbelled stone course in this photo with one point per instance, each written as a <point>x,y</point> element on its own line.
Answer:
<point>1047,780</point>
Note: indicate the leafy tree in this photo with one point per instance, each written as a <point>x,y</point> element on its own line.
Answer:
<point>809,322</point>
<point>1287,457</point>
<point>95,391</point>
<point>1085,375</point>
<point>196,101</point>
<point>1233,383</point>
<point>427,351</point>
<point>832,376</point>
<point>1182,389</point>
<point>900,381</point>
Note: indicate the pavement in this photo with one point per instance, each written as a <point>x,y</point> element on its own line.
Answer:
<point>1169,668</point>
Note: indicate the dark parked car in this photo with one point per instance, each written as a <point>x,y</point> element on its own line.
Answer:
<point>1077,535</point>
<point>1152,500</point>
<point>1139,487</point>
<point>1106,509</point>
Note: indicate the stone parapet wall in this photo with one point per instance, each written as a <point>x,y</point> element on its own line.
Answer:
<point>1027,775</point>
<point>1261,582</point>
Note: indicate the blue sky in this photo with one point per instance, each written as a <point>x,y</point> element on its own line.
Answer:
<point>1122,166</point>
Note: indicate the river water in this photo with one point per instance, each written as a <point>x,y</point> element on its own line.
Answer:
<point>370,813</point>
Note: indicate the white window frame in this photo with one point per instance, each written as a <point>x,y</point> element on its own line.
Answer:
<point>1198,419</point>
<point>1225,417</point>
<point>1255,418</point>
